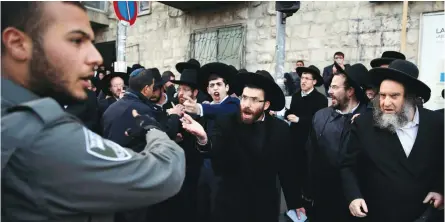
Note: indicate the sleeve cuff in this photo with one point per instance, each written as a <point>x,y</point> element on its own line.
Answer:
<point>201,110</point>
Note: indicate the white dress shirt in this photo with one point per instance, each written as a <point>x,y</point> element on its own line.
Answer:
<point>407,134</point>
<point>303,94</point>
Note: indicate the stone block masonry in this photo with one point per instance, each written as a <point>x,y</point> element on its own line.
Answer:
<point>362,30</point>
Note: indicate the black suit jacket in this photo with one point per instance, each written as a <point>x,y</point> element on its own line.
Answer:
<point>376,168</point>
<point>247,191</point>
<point>88,112</point>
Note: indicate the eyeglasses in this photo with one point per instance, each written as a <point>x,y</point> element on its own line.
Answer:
<point>254,100</point>
<point>334,87</point>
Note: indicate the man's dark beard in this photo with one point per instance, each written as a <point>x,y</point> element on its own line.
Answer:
<point>156,100</point>
<point>391,122</point>
<point>45,80</point>
<point>256,114</point>
<point>341,103</point>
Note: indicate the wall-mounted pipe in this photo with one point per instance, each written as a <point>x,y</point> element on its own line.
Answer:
<point>403,31</point>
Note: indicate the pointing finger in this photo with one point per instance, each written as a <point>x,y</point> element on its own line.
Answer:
<point>188,118</point>
<point>428,198</point>
<point>188,98</point>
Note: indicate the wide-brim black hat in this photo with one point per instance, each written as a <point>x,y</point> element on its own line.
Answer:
<point>191,64</point>
<point>222,70</point>
<point>355,75</point>
<point>404,72</point>
<point>387,58</point>
<point>159,81</point>
<point>265,81</point>
<point>188,77</point>
<point>106,81</point>
<point>312,70</point>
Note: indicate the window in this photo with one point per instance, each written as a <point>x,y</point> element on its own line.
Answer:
<point>96,5</point>
<point>144,7</point>
<point>224,44</point>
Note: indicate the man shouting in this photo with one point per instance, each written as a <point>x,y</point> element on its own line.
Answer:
<point>248,150</point>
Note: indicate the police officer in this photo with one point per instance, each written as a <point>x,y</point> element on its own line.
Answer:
<point>66,172</point>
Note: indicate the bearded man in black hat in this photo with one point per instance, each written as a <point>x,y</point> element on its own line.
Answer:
<point>248,150</point>
<point>167,114</point>
<point>193,64</point>
<point>328,126</point>
<point>186,199</point>
<point>113,90</point>
<point>393,169</point>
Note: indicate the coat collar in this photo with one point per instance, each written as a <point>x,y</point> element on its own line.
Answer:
<point>15,94</point>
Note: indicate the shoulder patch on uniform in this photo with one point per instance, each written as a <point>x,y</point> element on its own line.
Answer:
<point>104,149</point>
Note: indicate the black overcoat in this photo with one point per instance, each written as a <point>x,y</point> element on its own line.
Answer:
<point>247,190</point>
<point>376,168</point>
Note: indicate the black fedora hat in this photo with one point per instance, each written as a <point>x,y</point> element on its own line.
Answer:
<point>106,81</point>
<point>404,72</point>
<point>356,75</point>
<point>188,77</point>
<point>312,70</point>
<point>191,64</point>
<point>265,81</point>
<point>159,81</point>
<point>387,58</point>
<point>222,70</point>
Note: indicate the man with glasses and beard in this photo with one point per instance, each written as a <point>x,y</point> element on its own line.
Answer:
<point>249,149</point>
<point>323,147</point>
<point>61,171</point>
<point>393,170</point>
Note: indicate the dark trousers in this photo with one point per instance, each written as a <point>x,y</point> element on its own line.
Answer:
<point>207,187</point>
<point>182,206</point>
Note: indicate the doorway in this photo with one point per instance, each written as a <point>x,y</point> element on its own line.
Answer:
<point>108,52</point>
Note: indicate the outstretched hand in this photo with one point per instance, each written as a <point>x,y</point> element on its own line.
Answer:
<point>144,123</point>
<point>193,127</point>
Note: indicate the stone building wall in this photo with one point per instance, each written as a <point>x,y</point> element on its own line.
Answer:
<point>360,29</point>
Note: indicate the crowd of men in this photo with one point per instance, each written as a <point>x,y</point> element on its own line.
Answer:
<point>83,144</point>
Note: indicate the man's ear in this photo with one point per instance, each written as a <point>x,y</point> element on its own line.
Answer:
<point>195,93</point>
<point>227,88</point>
<point>266,105</point>
<point>17,44</point>
<point>351,91</point>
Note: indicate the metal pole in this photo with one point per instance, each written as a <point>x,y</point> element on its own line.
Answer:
<point>281,42</point>
<point>121,44</point>
<point>403,32</point>
<point>279,71</point>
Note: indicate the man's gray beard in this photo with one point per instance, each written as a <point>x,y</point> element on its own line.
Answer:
<point>391,122</point>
